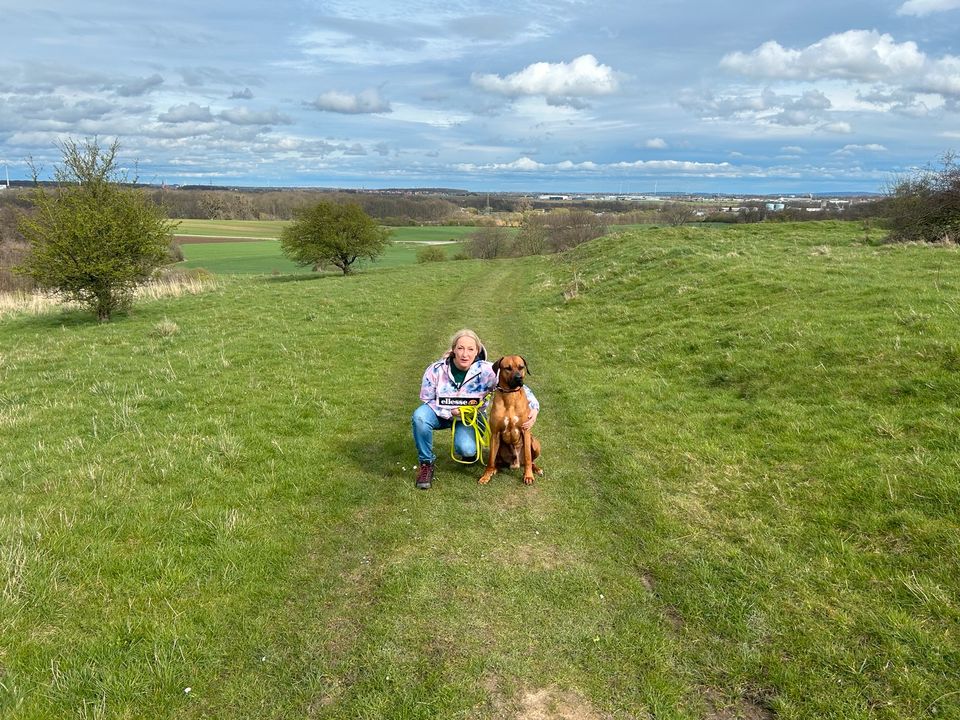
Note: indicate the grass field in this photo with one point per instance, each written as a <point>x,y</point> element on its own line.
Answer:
<point>751,441</point>
<point>254,257</point>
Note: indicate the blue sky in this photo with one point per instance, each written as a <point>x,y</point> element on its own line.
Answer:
<point>682,95</point>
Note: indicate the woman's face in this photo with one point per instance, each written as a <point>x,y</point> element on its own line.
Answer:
<point>465,351</point>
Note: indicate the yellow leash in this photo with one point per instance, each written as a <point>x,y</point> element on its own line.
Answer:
<point>470,416</point>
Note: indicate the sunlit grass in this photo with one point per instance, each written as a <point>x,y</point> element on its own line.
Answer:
<point>750,506</point>
<point>37,303</point>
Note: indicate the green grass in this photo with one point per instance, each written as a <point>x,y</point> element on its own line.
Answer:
<point>750,506</point>
<point>257,257</point>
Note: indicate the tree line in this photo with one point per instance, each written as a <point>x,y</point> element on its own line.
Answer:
<point>93,235</point>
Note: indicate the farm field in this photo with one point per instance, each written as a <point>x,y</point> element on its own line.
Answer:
<point>750,509</point>
<point>213,245</point>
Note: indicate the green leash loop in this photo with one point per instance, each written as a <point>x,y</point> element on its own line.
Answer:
<point>470,416</point>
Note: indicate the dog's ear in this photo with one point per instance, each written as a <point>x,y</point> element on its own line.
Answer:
<point>526,365</point>
<point>496,365</point>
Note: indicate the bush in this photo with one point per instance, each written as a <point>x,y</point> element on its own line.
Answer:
<point>926,206</point>
<point>13,252</point>
<point>175,252</point>
<point>488,243</point>
<point>93,241</point>
<point>557,231</point>
<point>431,253</point>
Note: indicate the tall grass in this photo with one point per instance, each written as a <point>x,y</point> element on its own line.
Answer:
<point>750,509</point>
<point>37,303</point>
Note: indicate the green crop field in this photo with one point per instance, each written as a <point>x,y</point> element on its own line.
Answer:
<point>265,257</point>
<point>751,438</point>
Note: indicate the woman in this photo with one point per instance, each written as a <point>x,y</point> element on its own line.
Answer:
<point>461,377</point>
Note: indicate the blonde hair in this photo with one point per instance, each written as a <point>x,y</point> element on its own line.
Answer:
<point>466,332</point>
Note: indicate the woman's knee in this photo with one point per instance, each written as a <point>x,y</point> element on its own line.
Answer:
<point>465,445</point>
<point>424,418</point>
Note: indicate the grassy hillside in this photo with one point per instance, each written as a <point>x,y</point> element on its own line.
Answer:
<point>750,505</point>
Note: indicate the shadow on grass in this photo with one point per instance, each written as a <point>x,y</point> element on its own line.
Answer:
<point>299,277</point>
<point>386,456</point>
<point>56,320</point>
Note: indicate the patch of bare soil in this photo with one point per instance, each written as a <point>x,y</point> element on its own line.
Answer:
<point>555,704</point>
<point>742,709</point>
<point>549,703</point>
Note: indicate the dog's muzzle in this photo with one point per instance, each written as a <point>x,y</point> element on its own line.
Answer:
<point>516,380</point>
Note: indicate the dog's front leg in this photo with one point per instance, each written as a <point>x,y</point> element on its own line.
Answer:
<point>491,468</point>
<point>527,457</point>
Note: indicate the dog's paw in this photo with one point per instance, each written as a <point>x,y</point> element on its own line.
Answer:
<point>485,478</point>
<point>528,479</point>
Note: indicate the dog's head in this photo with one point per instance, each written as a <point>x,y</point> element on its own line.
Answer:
<point>511,370</point>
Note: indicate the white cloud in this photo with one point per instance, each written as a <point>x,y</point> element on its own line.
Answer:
<point>837,128</point>
<point>855,54</point>
<point>191,112</point>
<point>582,77</point>
<point>765,107</point>
<point>793,149</point>
<point>525,164</point>
<point>243,116</point>
<point>852,149</point>
<point>368,101</point>
<point>921,8</point>
<point>140,86</point>
<point>679,166</point>
<point>656,144</point>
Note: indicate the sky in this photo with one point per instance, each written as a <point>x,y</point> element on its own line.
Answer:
<point>693,96</point>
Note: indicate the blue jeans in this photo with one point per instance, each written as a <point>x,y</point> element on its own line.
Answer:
<point>425,421</point>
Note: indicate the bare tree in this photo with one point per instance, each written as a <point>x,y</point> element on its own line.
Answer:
<point>676,214</point>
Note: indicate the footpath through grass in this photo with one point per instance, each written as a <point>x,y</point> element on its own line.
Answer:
<point>750,507</point>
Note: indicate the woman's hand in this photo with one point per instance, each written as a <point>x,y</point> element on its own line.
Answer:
<point>455,412</point>
<point>530,420</point>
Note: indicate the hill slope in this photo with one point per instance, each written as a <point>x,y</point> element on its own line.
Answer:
<point>750,438</point>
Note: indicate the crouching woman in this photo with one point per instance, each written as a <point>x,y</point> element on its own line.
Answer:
<point>463,376</point>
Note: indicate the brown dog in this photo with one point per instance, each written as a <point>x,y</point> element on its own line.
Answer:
<point>509,442</point>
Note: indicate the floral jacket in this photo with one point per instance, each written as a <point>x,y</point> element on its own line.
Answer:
<point>440,392</point>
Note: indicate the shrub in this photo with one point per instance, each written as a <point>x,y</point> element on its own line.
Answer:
<point>488,243</point>
<point>557,231</point>
<point>926,206</point>
<point>431,253</point>
<point>91,240</point>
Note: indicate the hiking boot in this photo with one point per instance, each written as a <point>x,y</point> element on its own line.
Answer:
<point>425,476</point>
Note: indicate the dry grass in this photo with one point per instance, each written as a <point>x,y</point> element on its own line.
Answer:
<point>37,303</point>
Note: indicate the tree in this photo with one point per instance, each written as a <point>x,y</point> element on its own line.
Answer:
<point>676,213</point>
<point>91,239</point>
<point>488,242</point>
<point>330,234</point>
<point>532,236</point>
<point>926,205</point>
<point>568,228</point>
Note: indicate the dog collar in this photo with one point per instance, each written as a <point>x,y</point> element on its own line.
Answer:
<point>505,392</point>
